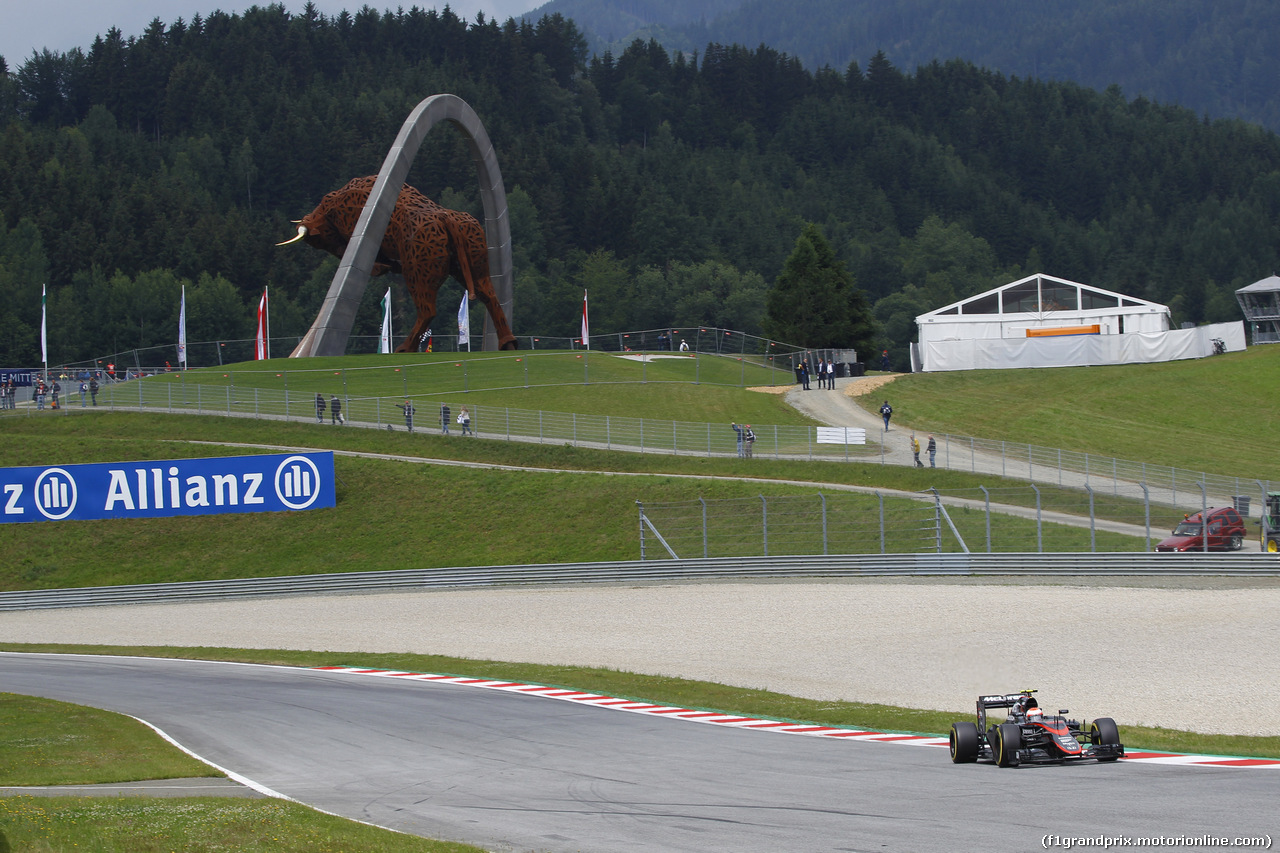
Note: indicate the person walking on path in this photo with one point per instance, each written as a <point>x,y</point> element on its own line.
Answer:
<point>932,447</point>
<point>464,418</point>
<point>335,410</point>
<point>408,413</point>
<point>886,412</point>
<point>444,418</point>
<point>915,450</point>
<point>319,408</point>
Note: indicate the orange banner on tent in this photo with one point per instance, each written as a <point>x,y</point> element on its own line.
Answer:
<point>1064,330</point>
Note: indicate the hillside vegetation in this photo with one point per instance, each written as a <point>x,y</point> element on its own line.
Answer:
<point>398,515</point>
<point>671,188</point>
<point>1213,58</point>
<point>1218,415</point>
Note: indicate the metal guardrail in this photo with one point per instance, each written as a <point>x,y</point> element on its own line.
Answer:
<point>729,568</point>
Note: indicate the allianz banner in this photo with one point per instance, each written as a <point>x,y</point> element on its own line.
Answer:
<point>120,490</point>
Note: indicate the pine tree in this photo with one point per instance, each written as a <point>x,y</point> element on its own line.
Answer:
<point>815,302</point>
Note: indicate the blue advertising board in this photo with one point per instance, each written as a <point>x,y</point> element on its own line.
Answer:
<point>121,490</point>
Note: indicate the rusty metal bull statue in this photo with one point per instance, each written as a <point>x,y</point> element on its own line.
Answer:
<point>424,242</point>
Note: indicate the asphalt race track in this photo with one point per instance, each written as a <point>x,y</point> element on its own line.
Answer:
<point>515,772</point>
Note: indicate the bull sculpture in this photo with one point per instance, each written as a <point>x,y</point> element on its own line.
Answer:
<point>424,242</point>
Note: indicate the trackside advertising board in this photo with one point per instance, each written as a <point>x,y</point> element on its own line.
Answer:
<point>122,490</point>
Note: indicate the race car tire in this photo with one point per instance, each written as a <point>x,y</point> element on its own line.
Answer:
<point>1008,741</point>
<point>964,743</point>
<point>1104,731</point>
<point>1237,542</point>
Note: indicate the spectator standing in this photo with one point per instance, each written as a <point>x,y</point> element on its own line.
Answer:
<point>84,389</point>
<point>319,408</point>
<point>56,390</point>
<point>820,368</point>
<point>39,394</point>
<point>335,410</point>
<point>93,389</point>
<point>886,411</point>
<point>408,413</point>
<point>804,374</point>
<point>464,418</point>
<point>932,447</point>
<point>884,361</point>
<point>831,375</point>
<point>739,430</point>
<point>444,418</point>
<point>748,440</point>
<point>4,393</point>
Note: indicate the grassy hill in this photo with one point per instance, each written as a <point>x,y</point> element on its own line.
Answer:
<point>396,515</point>
<point>1219,414</point>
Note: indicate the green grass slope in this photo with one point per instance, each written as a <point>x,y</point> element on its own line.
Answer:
<point>1220,415</point>
<point>405,515</point>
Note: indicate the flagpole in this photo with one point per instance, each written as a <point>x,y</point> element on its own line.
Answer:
<point>44,335</point>
<point>384,338</point>
<point>182,331</point>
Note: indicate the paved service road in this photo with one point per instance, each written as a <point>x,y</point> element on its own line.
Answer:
<point>513,772</point>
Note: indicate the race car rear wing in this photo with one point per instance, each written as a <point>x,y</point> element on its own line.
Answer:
<point>1004,700</point>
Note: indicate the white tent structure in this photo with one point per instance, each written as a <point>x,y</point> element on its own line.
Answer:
<point>1043,321</point>
<point>1260,303</point>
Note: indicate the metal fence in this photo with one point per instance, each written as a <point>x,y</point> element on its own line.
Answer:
<point>1120,477</point>
<point>1024,519</point>
<point>1087,473</point>
<point>696,339</point>
<point>631,572</point>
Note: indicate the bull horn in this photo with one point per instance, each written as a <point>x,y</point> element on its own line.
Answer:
<point>302,232</point>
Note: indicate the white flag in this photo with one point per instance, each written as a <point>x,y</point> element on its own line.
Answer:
<point>384,345</point>
<point>260,348</point>
<point>464,323</point>
<point>44,337</point>
<point>182,328</point>
<point>585,334</point>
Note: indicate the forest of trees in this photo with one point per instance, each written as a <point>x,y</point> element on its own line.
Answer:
<point>1216,57</point>
<point>673,188</point>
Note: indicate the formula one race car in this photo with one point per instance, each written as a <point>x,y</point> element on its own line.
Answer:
<point>1031,736</point>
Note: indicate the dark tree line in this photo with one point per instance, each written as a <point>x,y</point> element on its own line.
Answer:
<point>180,155</point>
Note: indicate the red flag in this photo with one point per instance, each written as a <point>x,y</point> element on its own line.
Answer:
<point>263,348</point>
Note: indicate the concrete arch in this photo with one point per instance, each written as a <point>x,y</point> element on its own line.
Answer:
<point>332,328</point>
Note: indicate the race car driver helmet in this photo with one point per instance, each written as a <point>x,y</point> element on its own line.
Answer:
<point>1034,712</point>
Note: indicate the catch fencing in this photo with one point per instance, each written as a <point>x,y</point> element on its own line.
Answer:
<point>1090,474</point>
<point>847,566</point>
<point>1009,519</point>
<point>708,340</point>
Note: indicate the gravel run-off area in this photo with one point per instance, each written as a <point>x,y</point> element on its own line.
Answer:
<point>1195,654</point>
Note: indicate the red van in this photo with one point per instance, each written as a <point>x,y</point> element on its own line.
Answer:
<point>1226,532</point>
